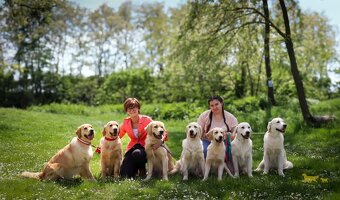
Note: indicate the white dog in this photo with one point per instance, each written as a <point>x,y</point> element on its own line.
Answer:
<point>192,157</point>
<point>274,156</point>
<point>216,154</point>
<point>242,148</point>
<point>111,150</point>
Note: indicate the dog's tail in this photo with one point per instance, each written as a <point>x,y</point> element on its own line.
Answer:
<point>176,168</point>
<point>35,175</point>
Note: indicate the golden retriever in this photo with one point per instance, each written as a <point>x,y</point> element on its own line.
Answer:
<point>242,150</point>
<point>73,159</point>
<point>111,151</point>
<point>216,154</point>
<point>274,156</point>
<point>192,157</point>
<point>159,160</point>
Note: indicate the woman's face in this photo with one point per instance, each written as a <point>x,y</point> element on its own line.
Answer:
<point>215,106</point>
<point>133,111</point>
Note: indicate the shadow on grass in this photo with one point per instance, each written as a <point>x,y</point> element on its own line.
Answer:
<point>70,183</point>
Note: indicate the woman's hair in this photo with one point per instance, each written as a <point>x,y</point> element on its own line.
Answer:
<point>131,103</point>
<point>220,99</point>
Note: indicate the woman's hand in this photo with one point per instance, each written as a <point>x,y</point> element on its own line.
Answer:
<point>157,145</point>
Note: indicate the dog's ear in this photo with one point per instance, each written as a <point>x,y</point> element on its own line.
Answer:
<point>104,132</point>
<point>269,126</point>
<point>209,135</point>
<point>148,128</point>
<point>199,130</point>
<point>78,131</point>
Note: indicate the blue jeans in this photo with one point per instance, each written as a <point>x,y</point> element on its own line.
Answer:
<point>205,143</point>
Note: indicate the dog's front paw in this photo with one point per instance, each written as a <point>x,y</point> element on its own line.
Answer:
<point>281,174</point>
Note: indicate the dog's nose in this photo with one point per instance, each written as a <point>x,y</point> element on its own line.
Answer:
<point>115,130</point>
<point>161,132</point>
<point>191,132</point>
<point>247,133</point>
<point>220,138</point>
<point>284,125</point>
<point>91,131</point>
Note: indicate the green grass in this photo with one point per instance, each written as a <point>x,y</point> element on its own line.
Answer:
<point>30,137</point>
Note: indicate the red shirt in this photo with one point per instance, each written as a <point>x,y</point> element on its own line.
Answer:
<point>126,127</point>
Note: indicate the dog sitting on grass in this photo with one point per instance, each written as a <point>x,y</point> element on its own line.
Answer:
<point>73,159</point>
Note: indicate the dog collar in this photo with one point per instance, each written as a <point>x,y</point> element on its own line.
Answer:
<point>84,142</point>
<point>110,139</point>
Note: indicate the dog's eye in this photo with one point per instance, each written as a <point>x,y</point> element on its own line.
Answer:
<point>85,128</point>
<point>155,126</point>
<point>111,125</point>
<point>195,126</point>
<point>249,127</point>
<point>242,127</point>
<point>278,122</point>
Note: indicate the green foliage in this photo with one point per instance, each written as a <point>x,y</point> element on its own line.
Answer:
<point>136,82</point>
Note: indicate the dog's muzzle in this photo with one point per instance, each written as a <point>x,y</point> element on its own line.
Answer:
<point>219,140</point>
<point>114,133</point>
<point>158,136</point>
<point>247,135</point>
<point>192,134</point>
<point>283,130</point>
<point>90,136</point>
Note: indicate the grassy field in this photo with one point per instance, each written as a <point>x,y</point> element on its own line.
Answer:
<point>30,137</point>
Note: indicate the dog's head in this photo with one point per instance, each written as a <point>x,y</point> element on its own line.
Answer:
<point>216,134</point>
<point>85,132</point>
<point>155,129</point>
<point>193,130</point>
<point>276,125</point>
<point>111,129</point>
<point>243,131</point>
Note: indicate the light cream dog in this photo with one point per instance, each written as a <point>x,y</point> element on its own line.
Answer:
<point>192,157</point>
<point>73,159</point>
<point>274,156</point>
<point>216,154</point>
<point>111,151</point>
<point>242,148</point>
<point>159,161</point>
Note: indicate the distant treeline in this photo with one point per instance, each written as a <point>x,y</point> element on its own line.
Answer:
<point>158,54</point>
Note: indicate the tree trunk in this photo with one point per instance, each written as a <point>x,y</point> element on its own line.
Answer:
<point>271,99</point>
<point>294,68</point>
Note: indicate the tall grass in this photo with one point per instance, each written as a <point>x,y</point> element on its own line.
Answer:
<point>30,137</point>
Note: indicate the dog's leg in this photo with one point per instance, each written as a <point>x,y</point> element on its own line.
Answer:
<point>260,166</point>
<point>280,164</point>
<point>236,169</point>
<point>185,171</point>
<point>116,169</point>
<point>165,168</point>
<point>202,166</point>
<point>102,170</point>
<point>250,166</point>
<point>207,170</point>
<point>150,168</point>
<point>266,163</point>
<point>86,173</point>
<point>220,171</point>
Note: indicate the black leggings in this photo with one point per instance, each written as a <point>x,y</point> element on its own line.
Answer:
<point>134,161</point>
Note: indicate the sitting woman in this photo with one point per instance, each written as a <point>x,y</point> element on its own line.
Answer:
<point>134,126</point>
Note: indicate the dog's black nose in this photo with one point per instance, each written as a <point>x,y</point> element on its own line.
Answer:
<point>115,130</point>
<point>284,125</point>
<point>91,131</point>
<point>247,133</point>
<point>161,132</point>
<point>191,132</point>
<point>220,138</point>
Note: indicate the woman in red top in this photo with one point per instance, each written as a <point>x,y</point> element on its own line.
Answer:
<point>134,126</point>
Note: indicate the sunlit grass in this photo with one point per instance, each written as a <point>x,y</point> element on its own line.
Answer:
<point>30,138</point>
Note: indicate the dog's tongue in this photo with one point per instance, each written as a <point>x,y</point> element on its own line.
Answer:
<point>90,136</point>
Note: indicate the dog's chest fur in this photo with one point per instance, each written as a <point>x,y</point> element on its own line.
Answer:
<point>81,153</point>
<point>273,142</point>
<point>242,149</point>
<point>192,150</point>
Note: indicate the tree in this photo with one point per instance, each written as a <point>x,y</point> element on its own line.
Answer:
<point>270,87</point>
